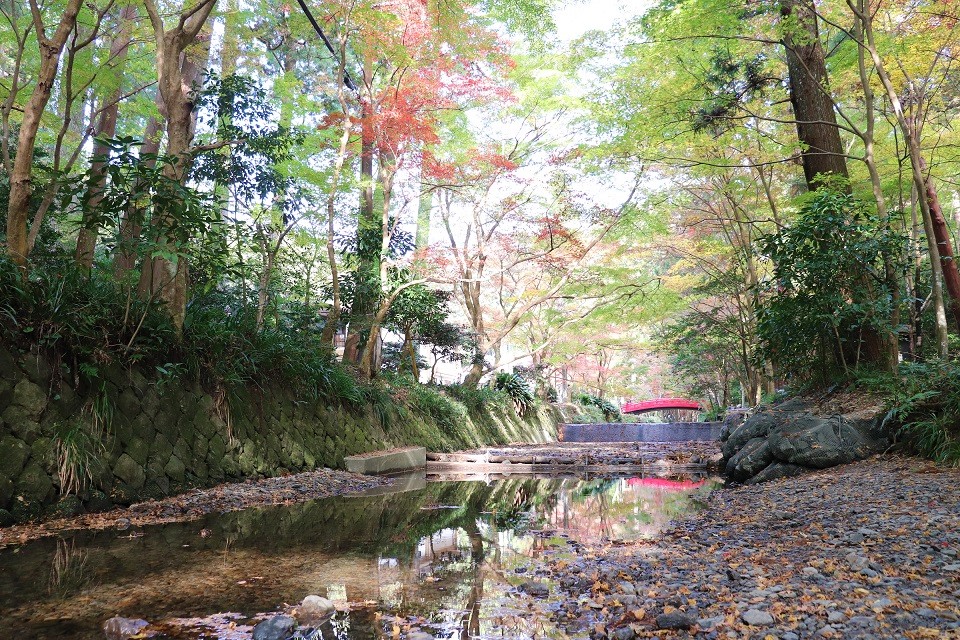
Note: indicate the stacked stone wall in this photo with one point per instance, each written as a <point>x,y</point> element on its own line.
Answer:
<point>156,439</point>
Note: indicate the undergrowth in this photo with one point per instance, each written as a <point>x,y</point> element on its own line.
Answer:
<point>923,400</point>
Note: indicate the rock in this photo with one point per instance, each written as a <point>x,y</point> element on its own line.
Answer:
<point>98,502</point>
<point>6,518</point>
<point>13,455</point>
<point>809,441</point>
<point>836,617</point>
<point>129,471</point>
<point>419,635</point>
<point>623,633</point>
<point>750,460</point>
<point>68,506</point>
<point>756,426</point>
<point>30,397</point>
<point>756,618</point>
<point>777,470</point>
<point>675,620</point>
<point>535,589</point>
<point>34,485</point>
<point>118,628</point>
<point>275,628</point>
<point>313,609</point>
<point>628,588</point>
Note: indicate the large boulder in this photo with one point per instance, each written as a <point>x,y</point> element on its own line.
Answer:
<point>810,441</point>
<point>756,426</point>
<point>777,470</point>
<point>750,460</point>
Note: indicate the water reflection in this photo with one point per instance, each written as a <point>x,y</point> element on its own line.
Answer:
<point>444,557</point>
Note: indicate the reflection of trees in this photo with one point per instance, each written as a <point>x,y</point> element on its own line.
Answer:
<point>470,625</point>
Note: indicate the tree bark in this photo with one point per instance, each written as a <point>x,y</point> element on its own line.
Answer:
<point>817,129</point>
<point>18,204</point>
<point>106,128</point>
<point>162,278</point>
<point>941,234</point>
<point>131,225</point>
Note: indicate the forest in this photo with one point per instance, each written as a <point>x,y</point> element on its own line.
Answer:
<point>706,197</point>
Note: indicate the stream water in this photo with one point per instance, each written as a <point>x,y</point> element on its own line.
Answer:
<point>444,557</point>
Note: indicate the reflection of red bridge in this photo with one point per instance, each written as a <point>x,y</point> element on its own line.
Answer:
<point>661,404</point>
<point>666,483</point>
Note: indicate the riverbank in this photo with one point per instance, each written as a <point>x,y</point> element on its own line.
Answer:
<point>864,550</point>
<point>193,505</point>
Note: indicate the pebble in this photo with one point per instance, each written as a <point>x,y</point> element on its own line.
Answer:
<point>675,620</point>
<point>757,618</point>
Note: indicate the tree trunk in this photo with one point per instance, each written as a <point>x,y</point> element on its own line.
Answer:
<point>21,189</point>
<point>131,225</point>
<point>941,235</point>
<point>361,311</point>
<point>106,128</point>
<point>817,129</point>
<point>161,277</point>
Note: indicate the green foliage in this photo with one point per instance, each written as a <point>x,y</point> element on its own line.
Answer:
<point>923,400</point>
<point>476,398</point>
<point>828,287</point>
<point>610,411</point>
<point>90,322</point>
<point>517,388</point>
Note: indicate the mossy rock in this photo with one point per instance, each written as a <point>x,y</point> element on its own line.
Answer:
<point>42,452</point>
<point>6,491</point>
<point>123,493</point>
<point>36,367</point>
<point>34,484</point>
<point>174,469</point>
<point>6,392</point>
<point>68,506</point>
<point>200,447</point>
<point>14,453</point>
<point>19,422</point>
<point>150,403</point>
<point>128,403</point>
<point>161,447</point>
<point>98,502</point>
<point>8,365</point>
<point>129,471</point>
<point>139,450</point>
<point>25,510</point>
<point>145,428</point>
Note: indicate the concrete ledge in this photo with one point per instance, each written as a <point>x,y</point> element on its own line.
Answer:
<point>402,459</point>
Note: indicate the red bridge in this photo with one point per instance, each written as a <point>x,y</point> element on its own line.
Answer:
<point>661,404</point>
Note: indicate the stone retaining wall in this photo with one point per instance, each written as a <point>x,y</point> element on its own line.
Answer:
<point>165,438</point>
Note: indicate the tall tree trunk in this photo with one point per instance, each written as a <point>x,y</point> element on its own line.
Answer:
<point>106,128</point>
<point>817,129</point>
<point>941,234</point>
<point>162,277</point>
<point>362,309</point>
<point>18,204</point>
<point>131,224</point>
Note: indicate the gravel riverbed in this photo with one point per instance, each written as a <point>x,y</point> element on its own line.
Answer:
<point>866,550</point>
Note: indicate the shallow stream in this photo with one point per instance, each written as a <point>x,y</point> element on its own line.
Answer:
<point>441,556</point>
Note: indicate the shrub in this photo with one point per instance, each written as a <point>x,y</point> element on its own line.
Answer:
<point>923,400</point>
<point>610,411</point>
<point>518,390</point>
